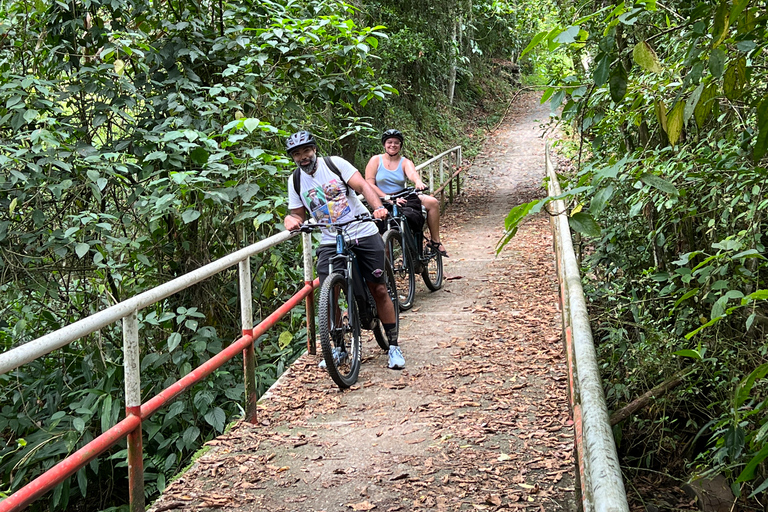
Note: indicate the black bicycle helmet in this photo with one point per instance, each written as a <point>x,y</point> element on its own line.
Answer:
<point>390,134</point>
<point>299,139</point>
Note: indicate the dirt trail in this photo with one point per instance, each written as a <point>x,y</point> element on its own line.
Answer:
<point>478,419</point>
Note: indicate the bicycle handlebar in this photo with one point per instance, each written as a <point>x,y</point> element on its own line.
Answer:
<point>307,227</point>
<point>407,191</point>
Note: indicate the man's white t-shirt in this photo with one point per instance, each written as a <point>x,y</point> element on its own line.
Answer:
<point>327,200</point>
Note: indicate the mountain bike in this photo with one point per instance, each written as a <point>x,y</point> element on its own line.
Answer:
<point>409,254</point>
<point>347,306</point>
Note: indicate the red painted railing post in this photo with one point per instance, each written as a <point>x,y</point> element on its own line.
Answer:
<point>249,372</point>
<point>310,306</point>
<point>135,463</point>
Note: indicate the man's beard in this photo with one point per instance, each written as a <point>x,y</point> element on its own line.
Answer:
<point>311,166</point>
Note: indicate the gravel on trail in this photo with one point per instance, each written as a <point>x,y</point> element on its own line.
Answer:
<point>478,419</point>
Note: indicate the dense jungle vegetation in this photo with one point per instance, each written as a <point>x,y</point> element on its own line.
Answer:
<point>140,140</point>
<point>668,107</point>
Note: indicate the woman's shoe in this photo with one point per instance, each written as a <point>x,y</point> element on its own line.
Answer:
<point>437,247</point>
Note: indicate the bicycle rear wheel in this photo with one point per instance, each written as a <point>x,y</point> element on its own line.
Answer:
<point>339,327</point>
<point>378,330</point>
<point>398,257</point>
<point>433,268</point>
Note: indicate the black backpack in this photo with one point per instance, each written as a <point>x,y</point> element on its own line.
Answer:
<point>329,162</point>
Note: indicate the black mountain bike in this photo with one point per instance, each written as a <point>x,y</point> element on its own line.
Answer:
<point>346,307</point>
<point>409,254</point>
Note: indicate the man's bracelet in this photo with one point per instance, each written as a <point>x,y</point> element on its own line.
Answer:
<point>380,208</point>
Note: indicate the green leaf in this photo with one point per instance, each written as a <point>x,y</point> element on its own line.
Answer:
<point>535,41</point>
<point>81,249</point>
<point>685,297</point>
<point>568,35</point>
<point>738,7</point>
<point>106,413</point>
<point>156,155</point>
<point>600,200</point>
<point>30,115</point>
<point>618,82</point>
<point>693,354</point>
<point>512,221</point>
<point>216,418</point>
<point>735,78</point>
<point>704,105</point>
<point>251,124</point>
<point>661,114</point>
<point>173,341</point>
<point>190,216</point>
<point>717,62</point>
<point>745,387</point>
<point>190,435</point>
<point>199,155</point>
<point>691,102</point>
<point>602,71</point>
<point>761,145</point>
<point>756,295</point>
<point>675,123</point>
<point>721,24</point>
<point>659,183</point>
<point>82,481</point>
<point>646,57</point>
<point>585,224</point>
<point>286,337</point>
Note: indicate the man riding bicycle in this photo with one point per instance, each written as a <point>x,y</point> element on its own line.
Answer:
<point>326,189</point>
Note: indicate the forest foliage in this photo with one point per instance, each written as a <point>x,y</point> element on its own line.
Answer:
<point>140,140</point>
<point>669,111</point>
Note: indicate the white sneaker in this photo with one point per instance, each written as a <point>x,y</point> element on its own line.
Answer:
<point>396,359</point>
<point>338,358</point>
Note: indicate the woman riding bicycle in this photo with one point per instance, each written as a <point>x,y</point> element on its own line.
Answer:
<point>387,173</point>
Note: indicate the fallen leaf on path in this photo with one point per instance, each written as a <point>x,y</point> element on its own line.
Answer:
<point>365,505</point>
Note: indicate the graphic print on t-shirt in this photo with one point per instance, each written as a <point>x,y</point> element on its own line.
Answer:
<point>327,203</point>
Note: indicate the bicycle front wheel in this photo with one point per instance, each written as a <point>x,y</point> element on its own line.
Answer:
<point>378,330</point>
<point>433,269</point>
<point>402,267</point>
<point>339,327</point>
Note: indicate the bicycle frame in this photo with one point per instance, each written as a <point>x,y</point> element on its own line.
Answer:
<point>366,311</point>
<point>409,237</point>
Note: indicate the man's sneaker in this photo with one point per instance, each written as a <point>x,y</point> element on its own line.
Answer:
<point>396,359</point>
<point>338,357</point>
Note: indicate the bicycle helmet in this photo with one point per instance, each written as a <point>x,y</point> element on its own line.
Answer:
<point>391,134</point>
<point>299,139</point>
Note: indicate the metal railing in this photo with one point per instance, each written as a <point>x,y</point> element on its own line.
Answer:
<point>136,412</point>
<point>130,428</point>
<point>601,484</point>
<point>442,162</point>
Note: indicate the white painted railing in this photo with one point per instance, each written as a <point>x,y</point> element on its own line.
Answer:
<point>602,486</point>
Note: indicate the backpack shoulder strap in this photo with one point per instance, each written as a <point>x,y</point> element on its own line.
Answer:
<point>296,176</point>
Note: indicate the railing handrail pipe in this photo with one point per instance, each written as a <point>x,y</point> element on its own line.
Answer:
<point>437,157</point>
<point>30,351</point>
<point>603,472</point>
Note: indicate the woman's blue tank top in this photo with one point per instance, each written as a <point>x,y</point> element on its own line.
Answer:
<point>390,182</point>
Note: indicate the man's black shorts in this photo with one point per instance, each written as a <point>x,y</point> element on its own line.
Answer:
<point>370,257</point>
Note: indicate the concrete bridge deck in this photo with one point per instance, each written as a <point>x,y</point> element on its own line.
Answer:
<point>479,418</point>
